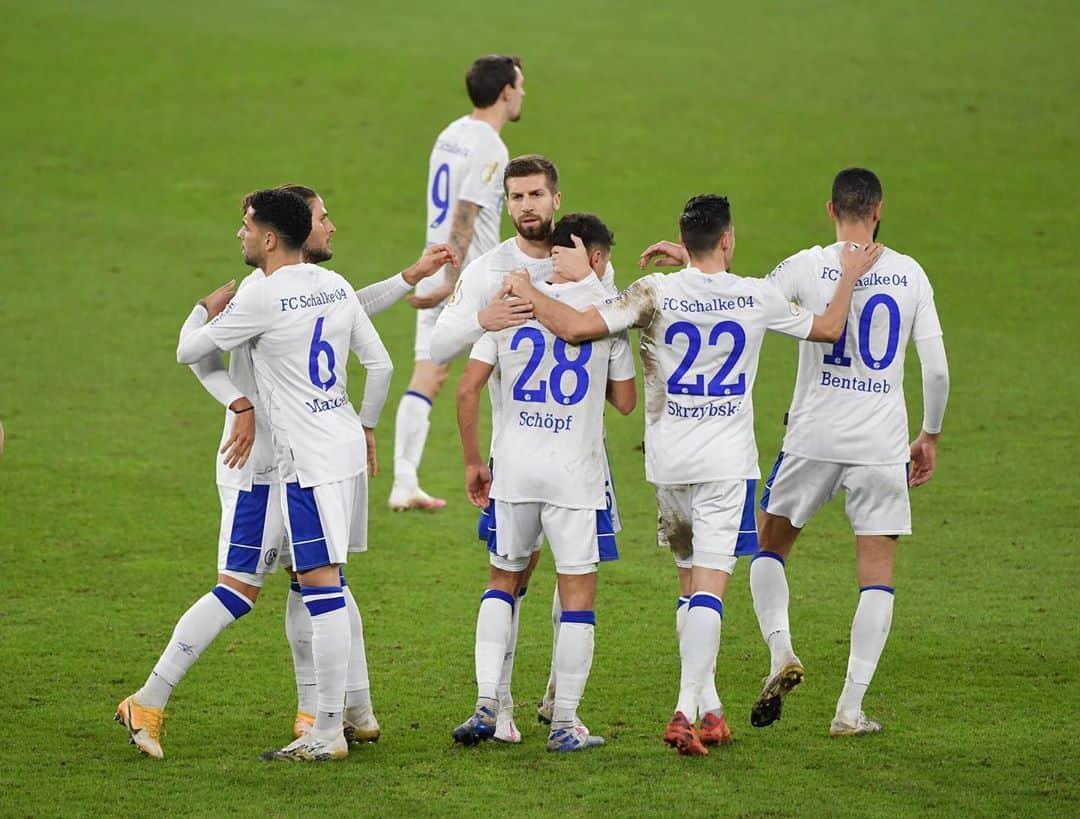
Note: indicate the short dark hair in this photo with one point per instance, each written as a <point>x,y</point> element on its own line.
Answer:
<point>704,220</point>
<point>285,212</point>
<point>855,192</point>
<point>586,226</point>
<point>303,191</point>
<point>530,165</point>
<point>488,76</point>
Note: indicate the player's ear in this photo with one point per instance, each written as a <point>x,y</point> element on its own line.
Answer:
<point>556,199</point>
<point>830,210</point>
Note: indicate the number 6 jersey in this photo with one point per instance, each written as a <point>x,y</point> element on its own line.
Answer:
<point>848,406</point>
<point>302,321</point>
<point>701,336</point>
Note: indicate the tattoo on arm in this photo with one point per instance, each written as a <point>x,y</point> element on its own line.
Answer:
<point>461,235</point>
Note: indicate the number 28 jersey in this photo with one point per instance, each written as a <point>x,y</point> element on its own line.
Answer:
<point>701,336</point>
<point>848,406</point>
<point>548,443</point>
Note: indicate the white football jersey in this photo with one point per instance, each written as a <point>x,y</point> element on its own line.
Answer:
<point>701,336</point>
<point>848,404</point>
<point>301,322</point>
<point>467,162</point>
<point>457,327</point>
<point>549,444</point>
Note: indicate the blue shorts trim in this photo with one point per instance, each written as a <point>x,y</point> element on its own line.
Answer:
<point>605,532</point>
<point>246,537</point>
<point>309,547</point>
<point>769,482</point>
<point>747,541</point>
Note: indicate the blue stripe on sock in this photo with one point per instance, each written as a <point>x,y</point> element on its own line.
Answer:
<point>588,617</point>
<point>320,590</point>
<point>341,574</point>
<point>682,601</point>
<point>772,555</point>
<point>708,601</point>
<point>236,604</point>
<point>888,589</point>
<point>498,594</point>
<point>521,592</point>
<point>294,586</point>
<point>769,482</point>
<point>325,604</point>
<point>419,395</point>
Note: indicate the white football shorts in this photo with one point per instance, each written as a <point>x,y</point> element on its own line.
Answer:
<point>325,522</point>
<point>571,533</point>
<point>252,534</point>
<point>875,497</point>
<point>707,524</point>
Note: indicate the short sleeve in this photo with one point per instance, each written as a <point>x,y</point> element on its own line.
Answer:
<point>634,307</point>
<point>782,315</point>
<point>486,349</point>
<point>483,180</point>
<point>926,324</point>
<point>243,318</point>
<point>789,275</point>
<point>621,359</point>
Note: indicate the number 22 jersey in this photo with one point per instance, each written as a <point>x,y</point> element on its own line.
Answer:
<point>701,336</point>
<point>848,406</point>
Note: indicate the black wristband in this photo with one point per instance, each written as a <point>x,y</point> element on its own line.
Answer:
<point>249,409</point>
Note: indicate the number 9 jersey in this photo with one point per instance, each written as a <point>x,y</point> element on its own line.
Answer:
<point>701,337</point>
<point>848,406</point>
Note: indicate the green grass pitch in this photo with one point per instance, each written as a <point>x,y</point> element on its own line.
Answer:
<point>130,130</point>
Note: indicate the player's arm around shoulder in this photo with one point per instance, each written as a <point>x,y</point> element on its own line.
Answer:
<point>855,260</point>
<point>231,319</point>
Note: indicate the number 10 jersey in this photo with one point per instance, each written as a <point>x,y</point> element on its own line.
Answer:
<point>701,337</point>
<point>848,406</point>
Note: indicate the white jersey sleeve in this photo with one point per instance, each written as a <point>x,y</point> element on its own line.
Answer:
<point>636,306</point>
<point>376,297</point>
<point>486,349</point>
<point>210,369</point>
<point>457,326</point>
<point>791,274</point>
<point>370,350</point>
<point>483,174</point>
<point>621,361</point>
<point>926,322</point>
<point>781,314</point>
<point>246,316</point>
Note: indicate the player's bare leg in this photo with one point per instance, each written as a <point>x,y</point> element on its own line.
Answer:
<point>494,622</point>
<point>410,434</point>
<point>875,557</point>
<point>330,646</point>
<point>546,706</point>
<point>769,588</point>
<point>143,713</point>
<point>573,661</point>
<point>698,647</point>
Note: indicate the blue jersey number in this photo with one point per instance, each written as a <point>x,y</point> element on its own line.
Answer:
<point>440,193</point>
<point>837,358</point>
<point>717,386</point>
<point>563,366</point>
<point>319,348</point>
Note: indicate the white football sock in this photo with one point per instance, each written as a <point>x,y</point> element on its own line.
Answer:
<point>698,647</point>
<point>506,698</point>
<point>769,588</point>
<point>410,434</point>
<point>572,664</point>
<point>493,624</point>
<point>869,631</point>
<point>556,615</point>
<point>357,684</point>
<point>298,633</point>
<point>330,645</point>
<point>194,631</point>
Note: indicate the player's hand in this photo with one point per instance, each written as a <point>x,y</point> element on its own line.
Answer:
<point>216,301</point>
<point>505,310</point>
<point>477,484</point>
<point>857,259</point>
<point>432,299</point>
<point>431,261</point>
<point>237,448</point>
<point>923,459</point>
<point>571,262</point>
<point>664,254</point>
<point>372,461</point>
